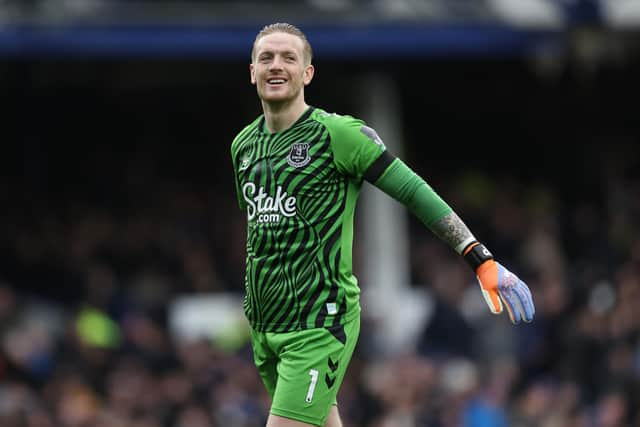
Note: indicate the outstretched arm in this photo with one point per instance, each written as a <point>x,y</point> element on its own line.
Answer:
<point>498,285</point>
<point>452,231</point>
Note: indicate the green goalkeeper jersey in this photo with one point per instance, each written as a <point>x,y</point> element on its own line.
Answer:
<point>299,189</point>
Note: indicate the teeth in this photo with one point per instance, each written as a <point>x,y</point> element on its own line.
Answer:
<point>276,81</point>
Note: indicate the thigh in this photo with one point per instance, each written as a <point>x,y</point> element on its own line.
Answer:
<point>311,366</point>
<point>277,421</point>
<point>265,361</point>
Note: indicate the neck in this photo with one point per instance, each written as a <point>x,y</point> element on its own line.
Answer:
<point>278,117</point>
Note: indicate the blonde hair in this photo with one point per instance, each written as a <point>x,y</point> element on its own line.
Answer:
<point>283,27</point>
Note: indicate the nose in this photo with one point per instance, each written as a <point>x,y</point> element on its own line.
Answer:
<point>276,63</point>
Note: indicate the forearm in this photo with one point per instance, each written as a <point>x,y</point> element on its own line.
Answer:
<point>404,185</point>
<point>451,229</point>
<point>496,282</point>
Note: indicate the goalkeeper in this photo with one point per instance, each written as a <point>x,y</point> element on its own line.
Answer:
<point>298,171</point>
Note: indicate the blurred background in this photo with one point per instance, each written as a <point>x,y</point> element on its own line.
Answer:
<point>122,246</point>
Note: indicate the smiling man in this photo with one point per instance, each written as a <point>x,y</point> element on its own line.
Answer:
<point>298,172</point>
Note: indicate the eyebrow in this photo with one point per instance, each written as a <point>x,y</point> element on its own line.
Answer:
<point>272,51</point>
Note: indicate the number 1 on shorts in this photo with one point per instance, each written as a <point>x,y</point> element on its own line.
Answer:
<point>312,385</point>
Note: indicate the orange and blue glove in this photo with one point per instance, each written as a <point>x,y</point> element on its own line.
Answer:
<point>499,286</point>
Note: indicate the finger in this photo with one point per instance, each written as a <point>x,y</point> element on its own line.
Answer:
<point>526,301</point>
<point>533,305</point>
<point>520,297</point>
<point>507,282</point>
<point>526,288</point>
<point>492,299</point>
<point>511,301</point>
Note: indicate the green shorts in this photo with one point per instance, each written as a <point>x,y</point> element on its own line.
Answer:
<point>303,370</point>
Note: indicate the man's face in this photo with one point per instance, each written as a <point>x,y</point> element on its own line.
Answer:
<point>279,68</point>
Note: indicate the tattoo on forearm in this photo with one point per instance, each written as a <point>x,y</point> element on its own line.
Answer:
<point>452,230</point>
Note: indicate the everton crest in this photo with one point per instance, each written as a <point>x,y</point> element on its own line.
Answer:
<point>299,155</point>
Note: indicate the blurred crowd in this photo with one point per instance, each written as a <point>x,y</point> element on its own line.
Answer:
<point>542,12</point>
<point>85,289</point>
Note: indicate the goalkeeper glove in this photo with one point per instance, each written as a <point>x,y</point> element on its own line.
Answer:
<point>500,286</point>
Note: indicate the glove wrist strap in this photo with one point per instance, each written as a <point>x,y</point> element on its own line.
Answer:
<point>475,254</point>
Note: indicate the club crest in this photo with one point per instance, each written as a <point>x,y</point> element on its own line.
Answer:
<point>299,155</point>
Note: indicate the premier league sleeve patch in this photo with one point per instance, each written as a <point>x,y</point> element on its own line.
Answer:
<point>372,135</point>
<point>299,155</point>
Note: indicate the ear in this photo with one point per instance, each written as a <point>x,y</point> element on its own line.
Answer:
<point>308,74</point>
<point>252,73</point>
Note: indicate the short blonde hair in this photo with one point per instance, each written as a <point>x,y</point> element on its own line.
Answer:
<point>283,27</point>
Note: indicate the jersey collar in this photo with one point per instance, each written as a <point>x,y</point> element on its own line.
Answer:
<point>302,118</point>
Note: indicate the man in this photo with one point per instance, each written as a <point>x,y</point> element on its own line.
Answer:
<point>298,172</point>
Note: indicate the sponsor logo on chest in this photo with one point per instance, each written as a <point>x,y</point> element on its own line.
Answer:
<point>265,208</point>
